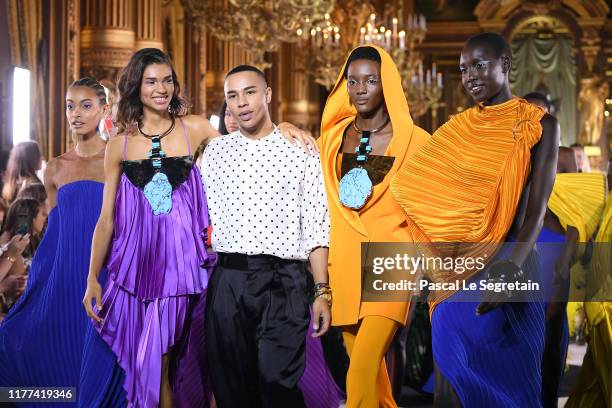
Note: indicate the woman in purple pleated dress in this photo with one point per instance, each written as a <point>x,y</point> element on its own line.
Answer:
<point>150,238</point>
<point>150,234</point>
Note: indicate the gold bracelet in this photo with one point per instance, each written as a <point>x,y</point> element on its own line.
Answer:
<point>321,291</point>
<point>325,294</point>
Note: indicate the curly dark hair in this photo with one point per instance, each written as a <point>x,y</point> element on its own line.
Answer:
<point>222,128</point>
<point>130,107</point>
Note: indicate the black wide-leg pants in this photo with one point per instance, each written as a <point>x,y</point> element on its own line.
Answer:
<point>257,316</point>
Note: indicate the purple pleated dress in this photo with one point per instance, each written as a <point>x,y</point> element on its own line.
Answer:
<point>157,273</point>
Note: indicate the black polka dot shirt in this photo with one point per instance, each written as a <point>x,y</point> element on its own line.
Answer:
<point>265,196</point>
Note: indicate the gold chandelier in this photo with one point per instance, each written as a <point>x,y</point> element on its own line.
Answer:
<point>258,26</point>
<point>354,23</point>
<point>329,41</point>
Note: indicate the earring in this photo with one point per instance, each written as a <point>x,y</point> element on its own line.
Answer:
<point>507,64</point>
<point>169,109</point>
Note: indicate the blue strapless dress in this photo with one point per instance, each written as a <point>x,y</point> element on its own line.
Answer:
<point>42,337</point>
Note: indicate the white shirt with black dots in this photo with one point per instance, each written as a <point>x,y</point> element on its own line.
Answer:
<point>265,196</point>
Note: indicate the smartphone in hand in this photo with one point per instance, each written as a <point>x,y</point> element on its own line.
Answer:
<point>23,224</point>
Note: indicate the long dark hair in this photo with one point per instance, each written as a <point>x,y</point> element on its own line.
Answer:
<point>33,190</point>
<point>130,107</point>
<point>222,128</point>
<point>23,210</point>
<point>23,163</point>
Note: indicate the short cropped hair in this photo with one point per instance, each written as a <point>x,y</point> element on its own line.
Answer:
<point>367,53</point>
<point>496,42</point>
<point>247,68</point>
<point>538,97</point>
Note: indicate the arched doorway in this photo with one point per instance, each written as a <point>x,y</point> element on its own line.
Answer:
<point>585,23</point>
<point>544,61</point>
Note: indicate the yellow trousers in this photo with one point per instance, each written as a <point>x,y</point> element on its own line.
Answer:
<point>367,380</point>
<point>593,388</point>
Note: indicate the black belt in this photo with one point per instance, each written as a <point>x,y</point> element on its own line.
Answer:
<point>247,262</point>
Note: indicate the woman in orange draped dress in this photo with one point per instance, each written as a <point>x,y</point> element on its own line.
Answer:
<point>483,179</point>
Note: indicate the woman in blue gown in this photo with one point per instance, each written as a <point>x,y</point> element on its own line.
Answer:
<point>42,337</point>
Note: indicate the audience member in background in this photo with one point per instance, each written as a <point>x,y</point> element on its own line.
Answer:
<point>25,160</point>
<point>33,190</point>
<point>541,100</point>
<point>11,285</point>
<point>4,156</point>
<point>3,209</point>
<point>583,161</point>
<point>26,217</point>
<point>227,123</point>
<point>37,192</point>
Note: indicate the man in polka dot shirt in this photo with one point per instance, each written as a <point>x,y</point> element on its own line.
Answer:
<point>269,213</point>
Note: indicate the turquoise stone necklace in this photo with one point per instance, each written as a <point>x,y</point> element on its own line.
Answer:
<point>158,191</point>
<point>356,185</point>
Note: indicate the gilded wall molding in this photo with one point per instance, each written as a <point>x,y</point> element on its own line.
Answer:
<point>148,24</point>
<point>501,9</point>
<point>114,59</point>
<point>107,37</point>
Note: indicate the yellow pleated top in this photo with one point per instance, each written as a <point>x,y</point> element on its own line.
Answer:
<point>381,219</point>
<point>465,184</point>
<point>599,277</point>
<point>578,200</point>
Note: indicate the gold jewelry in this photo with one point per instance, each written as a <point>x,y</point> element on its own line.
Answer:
<point>320,285</point>
<point>378,129</point>
<point>322,290</point>
<point>327,296</point>
<point>9,258</point>
<point>517,125</point>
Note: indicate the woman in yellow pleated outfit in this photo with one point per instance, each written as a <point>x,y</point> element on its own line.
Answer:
<point>594,386</point>
<point>369,97</point>
<point>578,201</point>
<point>574,211</point>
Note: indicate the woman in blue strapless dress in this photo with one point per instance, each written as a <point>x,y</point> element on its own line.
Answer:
<point>41,339</point>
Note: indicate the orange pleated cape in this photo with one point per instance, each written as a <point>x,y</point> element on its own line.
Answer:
<point>465,184</point>
<point>381,219</point>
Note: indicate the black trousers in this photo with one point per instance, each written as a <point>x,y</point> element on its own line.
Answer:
<point>553,358</point>
<point>257,317</point>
